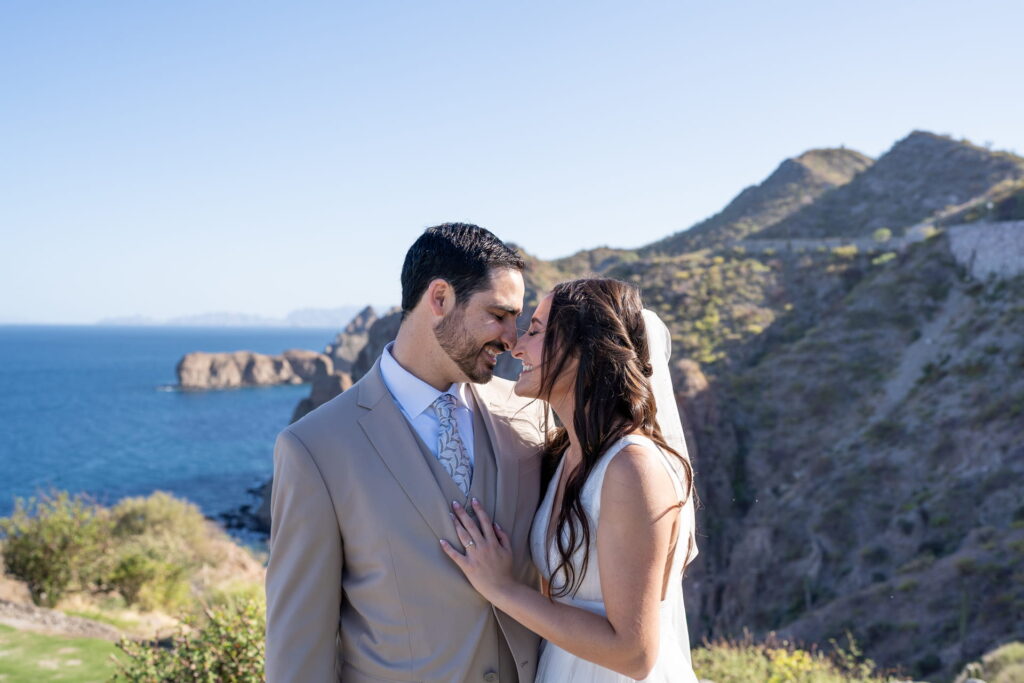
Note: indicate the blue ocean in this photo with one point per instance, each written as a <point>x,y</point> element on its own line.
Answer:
<point>93,410</point>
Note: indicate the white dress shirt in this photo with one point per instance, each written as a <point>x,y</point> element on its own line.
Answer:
<point>414,398</point>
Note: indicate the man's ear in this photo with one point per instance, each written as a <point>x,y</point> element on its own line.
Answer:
<point>440,297</point>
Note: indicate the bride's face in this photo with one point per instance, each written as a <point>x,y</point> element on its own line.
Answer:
<point>530,350</point>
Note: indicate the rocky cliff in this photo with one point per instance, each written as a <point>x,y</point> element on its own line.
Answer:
<point>866,475</point>
<point>344,349</point>
<point>201,370</point>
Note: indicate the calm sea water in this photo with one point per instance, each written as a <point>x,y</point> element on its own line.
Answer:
<point>92,410</point>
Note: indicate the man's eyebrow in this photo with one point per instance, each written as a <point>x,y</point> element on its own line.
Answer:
<point>535,320</point>
<point>507,309</point>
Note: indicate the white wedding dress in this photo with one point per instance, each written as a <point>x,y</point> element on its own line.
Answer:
<point>673,662</point>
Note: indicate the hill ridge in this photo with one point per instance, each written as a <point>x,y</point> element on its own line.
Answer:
<point>923,176</point>
<point>796,182</point>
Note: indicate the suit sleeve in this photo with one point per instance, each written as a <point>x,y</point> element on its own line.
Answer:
<point>304,573</point>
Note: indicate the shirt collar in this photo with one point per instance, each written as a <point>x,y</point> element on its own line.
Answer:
<point>413,394</point>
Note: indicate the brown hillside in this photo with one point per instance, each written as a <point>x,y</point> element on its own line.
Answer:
<point>924,176</point>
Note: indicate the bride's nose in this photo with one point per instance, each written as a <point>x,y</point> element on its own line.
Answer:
<point>516,351</point>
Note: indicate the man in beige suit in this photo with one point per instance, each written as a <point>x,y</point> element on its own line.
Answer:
<point>358,587</point>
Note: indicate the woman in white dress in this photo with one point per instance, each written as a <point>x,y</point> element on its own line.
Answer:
<point>615,528</point>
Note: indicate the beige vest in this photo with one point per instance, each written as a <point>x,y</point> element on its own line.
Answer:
<point>491,651</point>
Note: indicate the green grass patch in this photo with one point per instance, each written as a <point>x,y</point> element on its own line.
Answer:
<point>30,657</point>
<point>103,618</point>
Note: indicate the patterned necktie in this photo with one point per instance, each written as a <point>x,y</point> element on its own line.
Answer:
<point>451,452</point>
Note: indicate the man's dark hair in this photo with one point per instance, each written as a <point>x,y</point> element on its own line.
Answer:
<point>462,254</point>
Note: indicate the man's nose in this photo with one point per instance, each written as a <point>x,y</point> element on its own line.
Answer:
<point>508,334</point>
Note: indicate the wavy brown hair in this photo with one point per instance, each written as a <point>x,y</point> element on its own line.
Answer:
<point>599,324</point>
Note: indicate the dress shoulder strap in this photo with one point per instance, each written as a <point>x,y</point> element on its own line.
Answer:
<point>595,483</point>
<point>666,460</point>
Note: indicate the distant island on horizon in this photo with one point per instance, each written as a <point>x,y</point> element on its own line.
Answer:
<point>336,317</point>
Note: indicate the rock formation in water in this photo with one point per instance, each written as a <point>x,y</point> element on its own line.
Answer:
<point>202,370</point>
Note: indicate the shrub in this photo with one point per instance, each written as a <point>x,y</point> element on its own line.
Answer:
<point>1005,664</point>
<point>846,251</point>
<point>161,515</point>
<point>882,235</point>
<point>875,555</point>
<point>235,595</point>
<point>886,432</point>
<point>55,543</point>
<point>780,662</point>
<point>147,549</point>
<point>161,541</point>
<point>143,577</point>
<point>228,647</point>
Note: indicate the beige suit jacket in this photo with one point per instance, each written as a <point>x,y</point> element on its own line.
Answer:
<point>358,588</point>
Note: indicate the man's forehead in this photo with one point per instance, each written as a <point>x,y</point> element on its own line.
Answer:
<point>505,290</point>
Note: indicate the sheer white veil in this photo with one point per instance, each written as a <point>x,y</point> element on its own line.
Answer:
<point>659,341</point>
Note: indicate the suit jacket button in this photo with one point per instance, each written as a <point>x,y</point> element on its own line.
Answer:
<point>490,677</point>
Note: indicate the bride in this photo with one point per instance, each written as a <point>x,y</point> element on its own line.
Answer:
<point>615,529</point>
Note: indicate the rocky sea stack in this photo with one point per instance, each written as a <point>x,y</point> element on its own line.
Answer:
<point>200,370</point>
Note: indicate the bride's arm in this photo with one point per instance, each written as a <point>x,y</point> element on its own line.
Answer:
<point>638,512</point>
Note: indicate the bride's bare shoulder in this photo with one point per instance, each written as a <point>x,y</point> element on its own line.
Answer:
<point>637,478</point>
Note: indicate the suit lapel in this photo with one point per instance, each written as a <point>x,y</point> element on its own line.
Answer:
<point>506,457</point>
<point>392,438</point>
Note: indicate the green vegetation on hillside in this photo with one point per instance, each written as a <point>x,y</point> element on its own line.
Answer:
<point>777,661</point>
<point>724,307</point>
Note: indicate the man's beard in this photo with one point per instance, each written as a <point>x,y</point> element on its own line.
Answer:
<point>452,337</point>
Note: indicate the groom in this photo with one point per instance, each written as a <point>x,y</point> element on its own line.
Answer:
<point>358,587</point>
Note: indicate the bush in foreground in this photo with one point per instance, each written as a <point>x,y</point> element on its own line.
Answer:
<point>160,542</point>
<point>54,544</point>
<point>775,661</point>
<point>227,648</point>
<point>148,549</point>
<point>1005,664</point>
<point>230,648</point>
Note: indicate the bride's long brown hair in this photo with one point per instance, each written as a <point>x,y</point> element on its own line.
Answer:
<point>599,324</point>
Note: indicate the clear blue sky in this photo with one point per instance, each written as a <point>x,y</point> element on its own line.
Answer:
<point>167,158</point>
